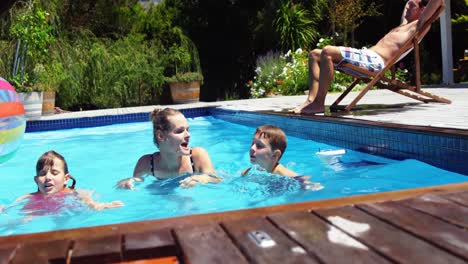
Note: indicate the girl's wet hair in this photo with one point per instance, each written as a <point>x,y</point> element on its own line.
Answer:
<point>47,159</point>
<point>275,135</point>
<point>160,118</point>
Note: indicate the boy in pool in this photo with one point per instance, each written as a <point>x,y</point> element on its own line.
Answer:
<point>268,146</point>
<point>51,178</point>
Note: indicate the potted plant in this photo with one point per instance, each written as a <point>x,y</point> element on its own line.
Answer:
<point>49,77</point>
<point>33,32</point>
<point>185,82</point>
<point>29,94</point>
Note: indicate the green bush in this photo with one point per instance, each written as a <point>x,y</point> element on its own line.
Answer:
<point>287,75</point>
<point>103,73</point>
<point>267,75</point>
<point>185,77</point>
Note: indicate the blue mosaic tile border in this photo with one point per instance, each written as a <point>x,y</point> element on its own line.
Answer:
<point>44,125</point>
<point>442,150</point>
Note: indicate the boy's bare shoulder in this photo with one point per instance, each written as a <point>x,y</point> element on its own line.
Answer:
<point>281,170</point>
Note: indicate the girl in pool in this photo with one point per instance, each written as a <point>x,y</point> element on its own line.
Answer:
<point>52,177</point>
<point>175,157</point>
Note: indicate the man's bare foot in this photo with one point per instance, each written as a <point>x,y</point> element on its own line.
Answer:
<point>313,108</point>
<point>58,110</point>
<point>298,109</point>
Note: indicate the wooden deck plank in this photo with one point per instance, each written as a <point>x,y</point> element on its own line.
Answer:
<point>97,250</point>
<point>207,244</point>
<point>459,197</point>
<point>191,220</point>
<point>328,243</point>
<point>41,252</point>
<point>285,250</point>
<point>439,207</point>
<point>439,232</point>
<point>153,244</point>
<point>393,242</point>
<point>7,253</point>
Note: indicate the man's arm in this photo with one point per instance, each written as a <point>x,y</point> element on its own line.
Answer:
<point>430,9</point>
<point>403,15</point>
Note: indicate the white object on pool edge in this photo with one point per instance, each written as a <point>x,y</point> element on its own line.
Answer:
<point>334,152</point>
<point>329,157</point>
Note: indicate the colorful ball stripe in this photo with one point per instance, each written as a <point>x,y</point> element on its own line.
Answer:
<point>12,121</point>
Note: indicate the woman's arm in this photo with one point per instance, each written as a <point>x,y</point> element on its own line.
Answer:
<point>202,161</point>
<point>141,169</point>
<point>203,165</point>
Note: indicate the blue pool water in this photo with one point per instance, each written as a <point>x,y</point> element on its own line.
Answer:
<point>99,157</point>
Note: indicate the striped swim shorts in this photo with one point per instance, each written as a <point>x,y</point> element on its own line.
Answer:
<point>364,58</point>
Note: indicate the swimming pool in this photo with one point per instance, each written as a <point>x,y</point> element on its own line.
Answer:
<point>98,157</point>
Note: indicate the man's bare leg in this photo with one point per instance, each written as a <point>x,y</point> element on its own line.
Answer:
<point>314,73</point>
<point>328,56</point>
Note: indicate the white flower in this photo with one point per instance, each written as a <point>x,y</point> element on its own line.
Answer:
<point>258,69</point>
<point>336,34</point>
<point>321,40</point>
<point>299,51</point>
<point>288,53</point>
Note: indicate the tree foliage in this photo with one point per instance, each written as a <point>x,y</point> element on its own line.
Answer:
<point>295,26</point>
<point>348,15</point>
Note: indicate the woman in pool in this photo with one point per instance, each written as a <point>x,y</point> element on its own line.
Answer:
<point>175,157</point>
<point>51,178</point>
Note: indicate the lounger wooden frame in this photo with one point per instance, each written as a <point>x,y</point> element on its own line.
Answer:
<point>378,78</point>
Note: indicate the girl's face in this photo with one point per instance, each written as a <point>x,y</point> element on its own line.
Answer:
<point>261,152</point>
<point>52,179</point>
<point>177,138</point>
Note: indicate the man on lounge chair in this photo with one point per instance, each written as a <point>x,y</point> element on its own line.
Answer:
<point>321,61</point>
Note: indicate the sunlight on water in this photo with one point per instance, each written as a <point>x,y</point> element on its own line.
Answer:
<point>99,157</point>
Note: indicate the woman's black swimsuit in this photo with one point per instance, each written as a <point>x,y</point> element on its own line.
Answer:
<point>152,163</point>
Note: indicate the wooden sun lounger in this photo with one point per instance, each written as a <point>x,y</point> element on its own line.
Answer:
<point>379,80</point>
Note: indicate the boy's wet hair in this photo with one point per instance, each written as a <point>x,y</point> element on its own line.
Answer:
<point>47,159</point>
<point>423,3</point>
<point>160,118</point>
<point>275,135</point>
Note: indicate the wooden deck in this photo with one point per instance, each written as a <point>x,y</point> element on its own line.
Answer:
<point>426,225</point>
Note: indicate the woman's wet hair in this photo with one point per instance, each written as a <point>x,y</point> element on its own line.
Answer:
<point>47,159</point>
<point>160,118</point>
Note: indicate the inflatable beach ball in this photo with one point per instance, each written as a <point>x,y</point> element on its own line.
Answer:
<point>12,121</point>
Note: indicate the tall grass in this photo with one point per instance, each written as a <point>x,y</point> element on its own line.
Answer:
<point>104,73</point>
